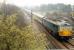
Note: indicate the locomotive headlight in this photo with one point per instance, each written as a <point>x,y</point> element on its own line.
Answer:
<point>65,31</point>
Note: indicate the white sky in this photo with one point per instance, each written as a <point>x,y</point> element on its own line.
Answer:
<point>37,2</point>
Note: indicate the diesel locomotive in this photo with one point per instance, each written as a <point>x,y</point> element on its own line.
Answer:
<point>60,29</point>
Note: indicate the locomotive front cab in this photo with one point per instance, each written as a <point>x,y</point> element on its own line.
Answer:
<point>65,30</point>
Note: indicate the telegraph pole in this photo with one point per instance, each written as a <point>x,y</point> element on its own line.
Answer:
<point>4,4</point>
<point>31,17</point>
<point>4,10</point>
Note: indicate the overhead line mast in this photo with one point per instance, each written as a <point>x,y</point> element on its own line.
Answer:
<point>4,4</point>
<point>4,7</point>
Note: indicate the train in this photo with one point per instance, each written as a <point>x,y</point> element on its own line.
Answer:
<point>60,29</point>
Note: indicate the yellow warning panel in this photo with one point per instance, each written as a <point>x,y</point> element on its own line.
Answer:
<point>65,32</point>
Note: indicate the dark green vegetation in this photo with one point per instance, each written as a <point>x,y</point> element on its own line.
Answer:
<point>60,7</point>
<point>56,7</point>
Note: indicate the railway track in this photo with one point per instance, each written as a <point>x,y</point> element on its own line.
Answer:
<point>71,43</point>
<point>68,45</point>
<point>57,44</point>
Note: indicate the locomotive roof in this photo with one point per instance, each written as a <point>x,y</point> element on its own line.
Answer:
<point>58,22</point>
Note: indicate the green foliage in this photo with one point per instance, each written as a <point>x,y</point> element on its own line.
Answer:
<point>33,40</point>
<point>11,36</point>
<point>14,37</point>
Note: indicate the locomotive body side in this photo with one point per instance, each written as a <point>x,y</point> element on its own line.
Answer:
<point>52,27</point>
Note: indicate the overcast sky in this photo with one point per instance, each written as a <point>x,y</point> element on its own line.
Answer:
<point>37,2</point>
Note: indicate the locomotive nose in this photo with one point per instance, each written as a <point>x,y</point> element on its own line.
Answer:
<point>65,33</point>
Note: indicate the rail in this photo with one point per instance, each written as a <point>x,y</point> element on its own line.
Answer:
<point>63,45</point>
